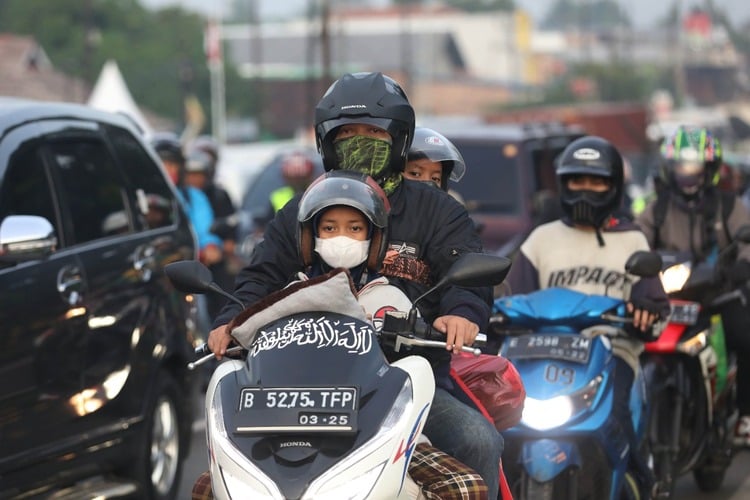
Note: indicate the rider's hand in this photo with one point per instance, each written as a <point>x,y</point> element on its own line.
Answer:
<point>458,331</point>
<point>644,314</point>
<point>218,341</point>
<point>211,254</point>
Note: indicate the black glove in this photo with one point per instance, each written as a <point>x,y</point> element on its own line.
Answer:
<point>660,308</point>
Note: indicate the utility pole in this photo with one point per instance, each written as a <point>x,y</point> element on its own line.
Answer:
<point>325,42</point>
<point>256,51</point>
<point>215,62</point>
<point>406,59</point>
<point>678,59</point>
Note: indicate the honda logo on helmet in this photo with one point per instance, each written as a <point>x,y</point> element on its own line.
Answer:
<point>587,154</point>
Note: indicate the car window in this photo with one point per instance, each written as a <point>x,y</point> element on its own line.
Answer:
<point>26,189</point>
<point>155,199</point>
<point>257,198</point>
<point>492,178</point>
<point>93,194</point>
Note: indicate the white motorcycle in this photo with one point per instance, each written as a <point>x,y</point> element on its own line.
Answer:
<point>313,410</point>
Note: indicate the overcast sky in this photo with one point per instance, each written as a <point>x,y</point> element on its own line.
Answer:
<point>642,12</point>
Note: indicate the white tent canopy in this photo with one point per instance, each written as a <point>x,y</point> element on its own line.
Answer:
<point>111,93</point>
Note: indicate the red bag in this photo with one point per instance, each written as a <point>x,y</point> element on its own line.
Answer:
<point>495,383</point>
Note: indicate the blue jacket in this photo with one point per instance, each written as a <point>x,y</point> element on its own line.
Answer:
<point>201,215</point>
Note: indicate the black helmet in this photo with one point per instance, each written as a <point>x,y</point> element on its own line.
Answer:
<point>352,189</point>
<point>590,155</point>
<point>434,146</point>
<point>168,146</point>
<point>370,98</point>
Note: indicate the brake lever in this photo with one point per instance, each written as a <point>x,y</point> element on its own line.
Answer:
<point>193,364</point>
<point>616,319</point>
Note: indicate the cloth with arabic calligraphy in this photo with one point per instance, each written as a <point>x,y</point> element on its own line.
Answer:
<point>331,292</point>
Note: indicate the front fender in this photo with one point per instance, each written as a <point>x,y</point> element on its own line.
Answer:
<point>544,459</point>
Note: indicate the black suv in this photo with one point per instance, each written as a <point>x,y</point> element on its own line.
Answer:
<point>95,399</point>
<point>510,184</point>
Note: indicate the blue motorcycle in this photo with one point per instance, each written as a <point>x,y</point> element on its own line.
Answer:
<point>568,443</point>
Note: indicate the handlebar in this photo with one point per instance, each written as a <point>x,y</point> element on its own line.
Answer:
<point>205,352</point>
<point>417,342</point>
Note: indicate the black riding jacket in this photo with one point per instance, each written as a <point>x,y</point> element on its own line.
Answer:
<point>428,230</point>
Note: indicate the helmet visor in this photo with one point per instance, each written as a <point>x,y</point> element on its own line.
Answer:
<point>688,175</point>
<point>325,128</point>
<point>688,168</point>
<point>435,147</point>
<point>349,189</point>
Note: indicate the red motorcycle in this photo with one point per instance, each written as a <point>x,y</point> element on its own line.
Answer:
<point>691,376</point>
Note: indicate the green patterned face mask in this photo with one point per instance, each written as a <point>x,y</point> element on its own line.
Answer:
<point>370,156</point>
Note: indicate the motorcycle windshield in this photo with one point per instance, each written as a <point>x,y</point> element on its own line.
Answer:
<point>555,306</point>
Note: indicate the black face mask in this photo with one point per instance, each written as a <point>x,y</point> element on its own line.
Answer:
<point>589,208</point>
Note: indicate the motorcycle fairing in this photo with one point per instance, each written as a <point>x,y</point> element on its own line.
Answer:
<point>668,340</point>
<point>339,351</point>
<point>556,456</point>
<point>592,436</point>
<point>538,371</point>
<point>555,306</point>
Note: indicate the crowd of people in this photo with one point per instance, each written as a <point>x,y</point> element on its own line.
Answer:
<point>403,224</point>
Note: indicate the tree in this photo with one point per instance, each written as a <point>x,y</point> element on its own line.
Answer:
<point>612,82</point>
<point>585,15</point>
<point>159,52</point>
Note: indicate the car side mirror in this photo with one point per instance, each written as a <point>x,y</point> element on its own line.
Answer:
<point>26,237</point>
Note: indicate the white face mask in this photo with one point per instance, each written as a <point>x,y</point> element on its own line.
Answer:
<point>342,251</point>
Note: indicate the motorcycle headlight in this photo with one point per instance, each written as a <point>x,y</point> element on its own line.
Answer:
<point>674,277</point>
<point>546,414</point>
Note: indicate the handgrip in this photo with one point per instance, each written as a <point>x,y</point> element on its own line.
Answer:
<point>417,342</point>
<point>203,350</point>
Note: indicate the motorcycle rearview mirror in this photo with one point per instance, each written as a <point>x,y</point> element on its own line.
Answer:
<point>473,269</point>
<point>191,276</point>
<point>644,264</point>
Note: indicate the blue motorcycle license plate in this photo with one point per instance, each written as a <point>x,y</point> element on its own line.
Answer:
<point>297,409</point>
<point>564,347</point>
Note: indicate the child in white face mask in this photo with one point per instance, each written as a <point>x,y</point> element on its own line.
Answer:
<point>342,222</point>
<point>342,236</point>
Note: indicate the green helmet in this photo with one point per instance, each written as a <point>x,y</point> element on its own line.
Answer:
<point>692,156</point>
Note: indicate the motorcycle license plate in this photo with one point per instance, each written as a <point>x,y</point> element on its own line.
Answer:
<point>684,312</point>
<point>564,347</point>
<point>297,409</point>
